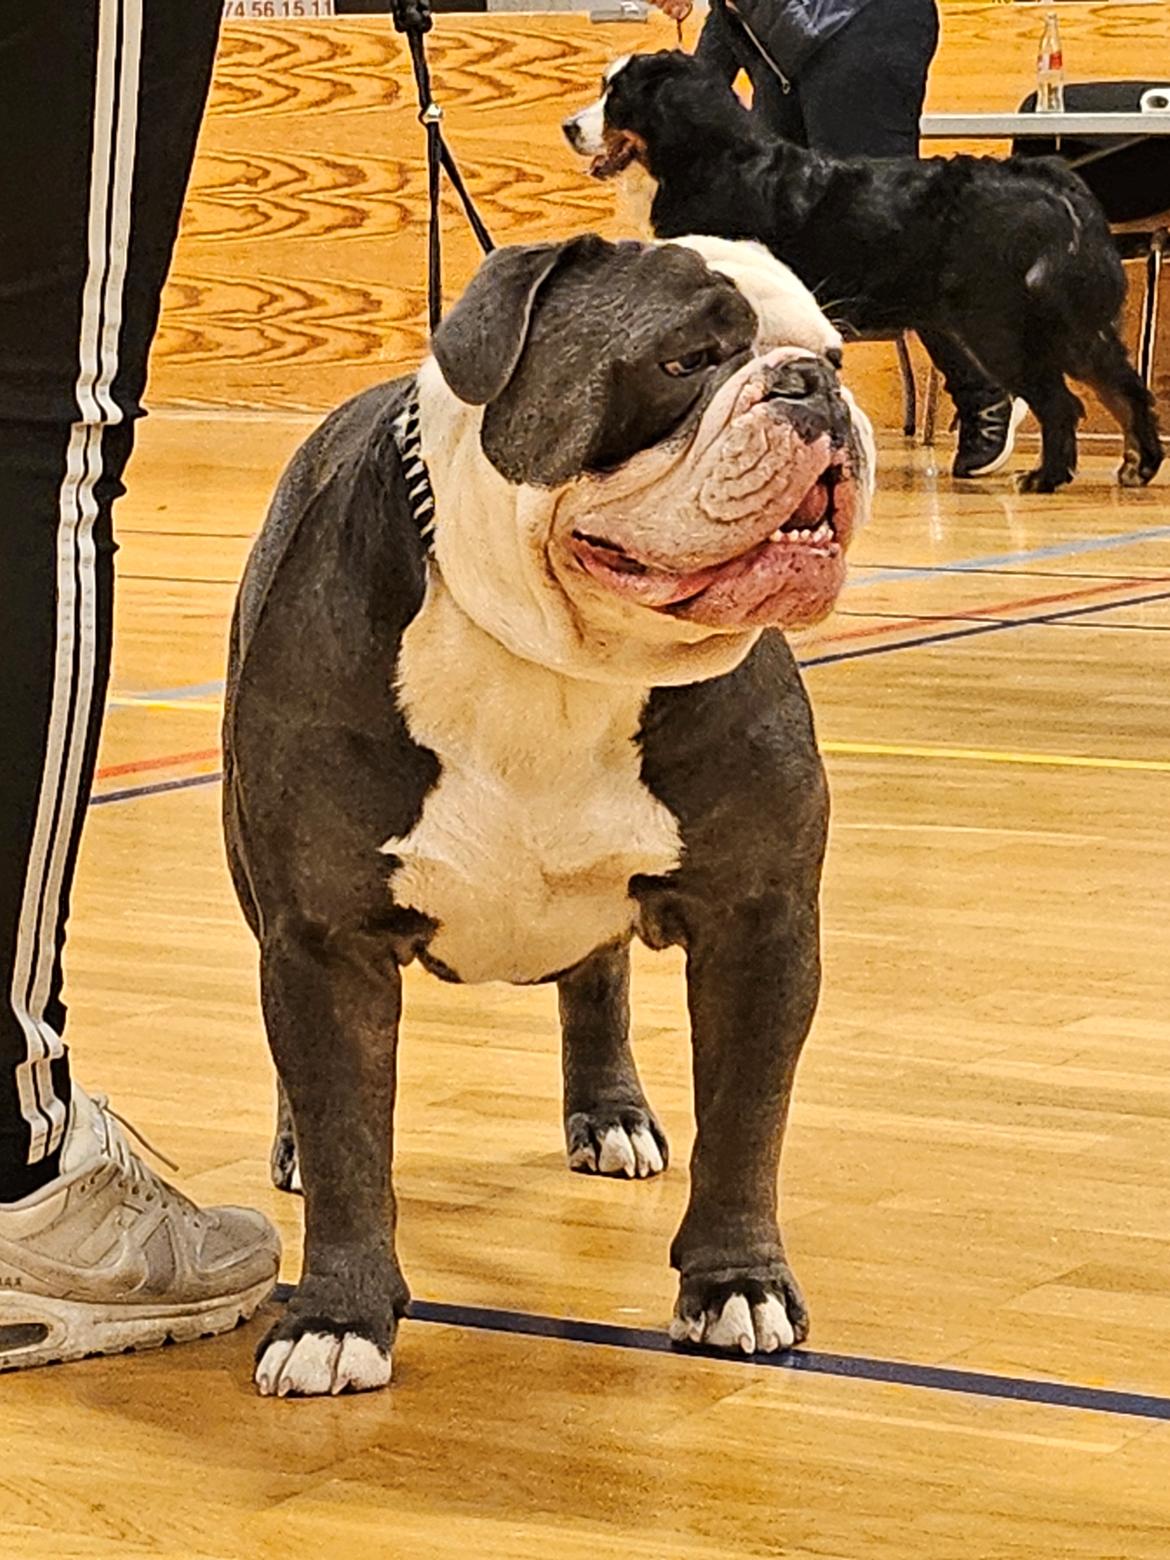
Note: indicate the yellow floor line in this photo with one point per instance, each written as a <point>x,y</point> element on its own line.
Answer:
<point>836,749</point>
<point>129,702</point>
<point>993,756</point>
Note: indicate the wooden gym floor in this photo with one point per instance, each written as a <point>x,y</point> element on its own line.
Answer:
<point>976,1168</point>
<point>976,1186</point>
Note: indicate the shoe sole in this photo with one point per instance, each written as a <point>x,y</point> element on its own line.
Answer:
<point>44,1331</point>
<point>1019,412</point>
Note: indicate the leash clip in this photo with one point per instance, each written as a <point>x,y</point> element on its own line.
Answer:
<point>412,16</point>
<point>432,114</point>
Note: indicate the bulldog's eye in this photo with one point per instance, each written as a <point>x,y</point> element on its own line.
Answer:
<point>689,363</point>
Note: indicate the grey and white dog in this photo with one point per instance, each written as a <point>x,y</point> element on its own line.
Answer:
<point>504,720</point>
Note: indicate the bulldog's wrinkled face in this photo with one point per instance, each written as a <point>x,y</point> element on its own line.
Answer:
<point>666,461</point>
<point>762,500</point>
<point>625,345</point>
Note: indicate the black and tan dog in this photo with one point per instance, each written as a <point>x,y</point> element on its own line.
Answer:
<point>1013,258</point>
<point>505,718</point>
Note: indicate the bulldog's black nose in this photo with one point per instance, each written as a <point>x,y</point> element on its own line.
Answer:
<point>801,379</point>
<point>807,393</point>
<point>572,133</point>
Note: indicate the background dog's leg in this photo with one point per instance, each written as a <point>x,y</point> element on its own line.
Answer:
<point>1058,411</point>
<point>331,1009</point>
<point>1106,369</point>
<point>609,1127</point>
<point>1025,364</point>
<point>282,1162</point>
<point>753,977</point>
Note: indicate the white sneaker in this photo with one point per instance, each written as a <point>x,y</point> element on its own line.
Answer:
<point>109,1257</point>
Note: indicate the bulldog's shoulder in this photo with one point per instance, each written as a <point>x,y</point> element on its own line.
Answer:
<point>749,731</point>
<point>339,529</point>
<point>735,760</point>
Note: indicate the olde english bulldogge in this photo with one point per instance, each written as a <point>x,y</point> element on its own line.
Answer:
<point>508,688</point>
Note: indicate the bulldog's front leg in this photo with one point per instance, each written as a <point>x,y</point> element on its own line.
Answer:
<point>331,1006</point>
<point>753,977</point>
<point>609,1126</point>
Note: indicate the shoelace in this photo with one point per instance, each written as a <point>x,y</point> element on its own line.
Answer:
<point>998,412</point>
<point>106,1109</point>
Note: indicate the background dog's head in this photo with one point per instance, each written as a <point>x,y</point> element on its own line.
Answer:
<point>652,107</point>
<point>627,467</point>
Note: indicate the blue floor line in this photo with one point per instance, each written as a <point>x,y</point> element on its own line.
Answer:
<point>853,1367</point>
<point>1087,544</point>
<point>856,581</point>
<point>155,788</point>
<point>999,626</point>
<point>186,691</point>
<point>158,787</point>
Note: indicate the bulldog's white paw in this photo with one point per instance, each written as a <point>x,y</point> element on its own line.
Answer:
<point>321,1365</point>
<point>739,1327</point>
<point>631,1147</point>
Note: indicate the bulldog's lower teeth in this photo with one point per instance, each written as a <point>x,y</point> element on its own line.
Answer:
<point>823,536</point>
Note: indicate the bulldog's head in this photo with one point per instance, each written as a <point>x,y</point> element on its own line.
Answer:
<point>641,455</point>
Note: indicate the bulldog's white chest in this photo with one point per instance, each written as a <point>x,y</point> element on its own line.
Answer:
<point>525,848</point>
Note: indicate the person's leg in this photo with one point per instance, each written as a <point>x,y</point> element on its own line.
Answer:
<point>101,106</point>
<point>862,91</point>
<point>98,118</point>
<point>862,96</point>
<point>987,416</point>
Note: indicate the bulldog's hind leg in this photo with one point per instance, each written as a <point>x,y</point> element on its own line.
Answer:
<point>609,1127</point>
<point>331,1006</point>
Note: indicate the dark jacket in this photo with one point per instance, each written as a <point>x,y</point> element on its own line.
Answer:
<point>785,32</point>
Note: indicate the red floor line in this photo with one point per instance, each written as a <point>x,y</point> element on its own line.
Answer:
<point>894,625</point>
<point>141,765</point>
<point>890,626</point>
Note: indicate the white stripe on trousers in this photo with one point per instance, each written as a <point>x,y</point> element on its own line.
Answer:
<point>115,125</point>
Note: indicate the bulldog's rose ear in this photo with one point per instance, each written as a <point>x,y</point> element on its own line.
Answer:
<point>478,345</point>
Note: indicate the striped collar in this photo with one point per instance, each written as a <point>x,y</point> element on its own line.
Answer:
<point>419,493</point>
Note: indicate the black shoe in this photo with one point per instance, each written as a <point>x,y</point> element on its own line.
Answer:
<point>987,438</point>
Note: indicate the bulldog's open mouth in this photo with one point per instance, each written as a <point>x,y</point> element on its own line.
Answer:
<point>622,148</point>
<point>788,578</point>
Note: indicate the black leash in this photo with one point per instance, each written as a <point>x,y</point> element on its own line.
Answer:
<point>413,19</point>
